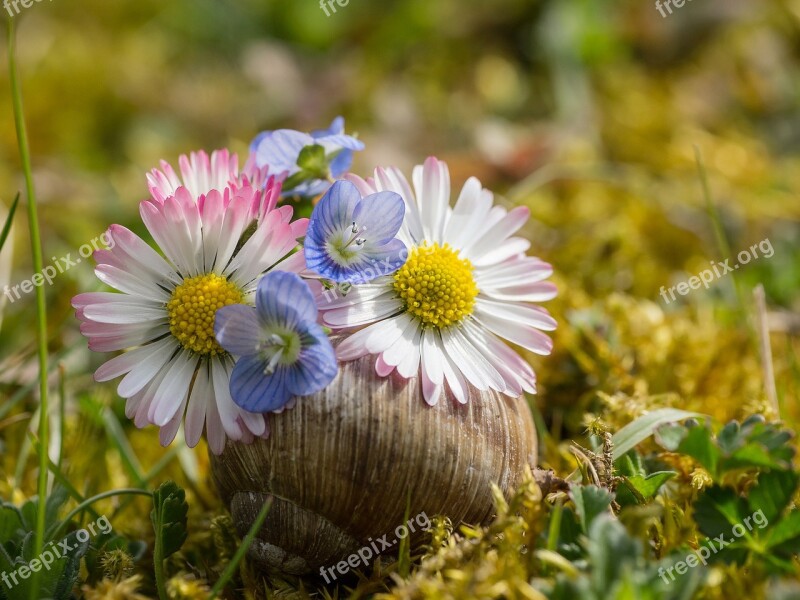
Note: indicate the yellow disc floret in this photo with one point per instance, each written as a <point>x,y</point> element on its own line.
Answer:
<point>436,285</point>
<point>192,309</point>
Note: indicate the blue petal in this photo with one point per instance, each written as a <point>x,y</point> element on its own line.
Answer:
<point>384,260</point>
<point>281,150</point>
<point>336,127</point>
<point>333,213</point>
<point>382,216</point>
<point>332,143</point>
<point>258,139</point>
<point>322,264</point>
<point>309,189</point>
<point>285,299</point>
<point>256,392</point>
<point>237,329</point>
<point>341,163</point>
<point>316,366</point>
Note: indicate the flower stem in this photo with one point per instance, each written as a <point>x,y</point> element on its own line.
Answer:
<point>230,570</point>
<point>41,308</point>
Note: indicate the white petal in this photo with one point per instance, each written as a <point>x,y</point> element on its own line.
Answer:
<point>497,235</point>
<point>397,351</point>
<point>480,339</point>
<point>432,359</point>
<point>387,332</point>
<point>173,390</point>
<point>148,261</point>
<point>381,368</point>
<point>515,313</point>
<point>354,346</point>
<point>432,367</point>
<point>432,186</point>
<point>145,370</point>
<point>467,205</point>
<point>124,363</point>
<point>475,367</point>
<point>126,313</point>
<point>408,367</point>
<point>363,313</point>
<point>527,337</point>
<point>509,248</point>
<point>202,394</point>
<point>532,292</point>
<point>392,179</point>
<point>130,284</point>
<point>335,298</point>
<point>455,379</point>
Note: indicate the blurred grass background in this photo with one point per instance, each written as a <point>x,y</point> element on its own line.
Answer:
<point>588,111</point>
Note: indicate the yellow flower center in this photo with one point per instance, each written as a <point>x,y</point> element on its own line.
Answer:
<point>437,285</point>
<point>192,309</point>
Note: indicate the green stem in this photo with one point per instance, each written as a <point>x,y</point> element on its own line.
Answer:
<point>243,548</point>
<point>158,565</point>
<point>41,308</point>
<point>716,222</point>
<point>89,501</point>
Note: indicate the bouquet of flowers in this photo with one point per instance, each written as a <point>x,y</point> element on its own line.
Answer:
<point>231,320</point>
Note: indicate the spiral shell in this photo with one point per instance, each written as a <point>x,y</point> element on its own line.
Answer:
<point>342,465</point>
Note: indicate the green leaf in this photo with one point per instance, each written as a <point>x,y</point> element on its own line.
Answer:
<point>717,510</point>
<point>590,501</point>
<point>699,444</point>
<point>785,536</point>
<point>611,552</point>
<point>58,578</point>
<point>11,523</point>
<point>751,456</point>
<point>728,438</point>
<point>9,220</point>
<point>627,467</point>
<point>169,517</point>
<point>642,428</point>
<point>670,436</point>
<point>649,486</point>
<point>772,493</point>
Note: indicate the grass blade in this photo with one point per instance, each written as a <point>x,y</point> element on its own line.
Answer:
<point>41,307</point>
<point>227,574</point>
<point>9,220</point>
<point>642,428</point>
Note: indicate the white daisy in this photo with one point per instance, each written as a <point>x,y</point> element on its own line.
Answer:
<point>219,235</point>
<point>466,286</point>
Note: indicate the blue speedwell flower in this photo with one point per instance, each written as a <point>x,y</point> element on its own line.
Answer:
<point>283,351</point>
<point>279,151</point>
<point>351,239</point>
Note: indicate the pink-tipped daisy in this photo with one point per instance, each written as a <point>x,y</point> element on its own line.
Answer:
<point>467,286</point>
<point>201,173</point>
<point>216,246</point>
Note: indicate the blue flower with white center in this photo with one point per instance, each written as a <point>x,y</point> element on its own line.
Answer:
<point>280,150</point>
<point>283,351</point>
<point>351,239</point>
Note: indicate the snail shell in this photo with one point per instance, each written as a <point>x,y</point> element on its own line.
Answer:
<point>343,463</point>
